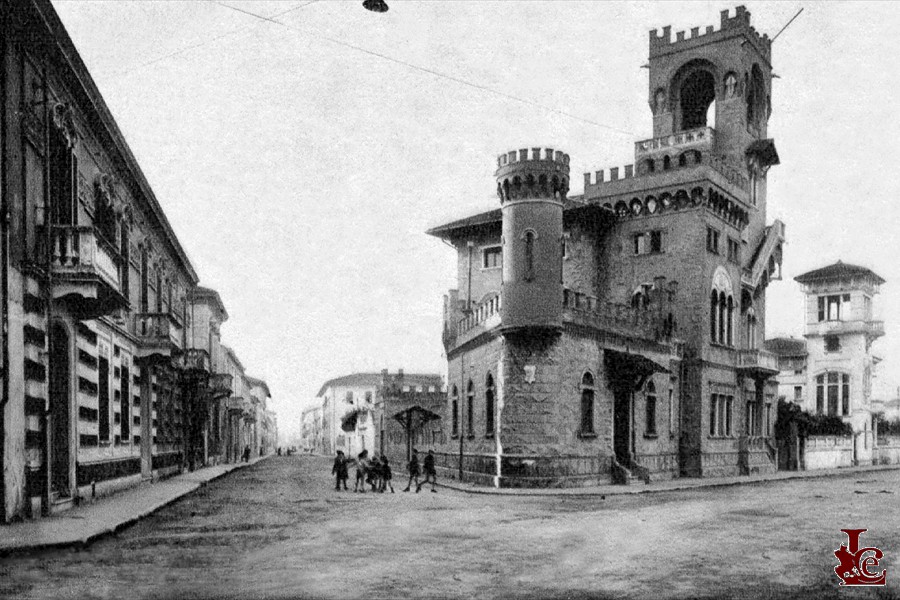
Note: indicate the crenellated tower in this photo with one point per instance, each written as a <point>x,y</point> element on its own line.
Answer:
<point>532,190</point>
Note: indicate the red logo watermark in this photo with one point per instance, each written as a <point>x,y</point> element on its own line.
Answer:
<point>859,565</point>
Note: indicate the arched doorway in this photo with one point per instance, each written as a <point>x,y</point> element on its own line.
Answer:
<point>60,416</point>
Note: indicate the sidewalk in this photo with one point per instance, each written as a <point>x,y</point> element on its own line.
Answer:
<point>671,485</point>
<point>84,524</point>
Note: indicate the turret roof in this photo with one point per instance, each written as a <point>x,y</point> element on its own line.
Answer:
<point>839,270</point>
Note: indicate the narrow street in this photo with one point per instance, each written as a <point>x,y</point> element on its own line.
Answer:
<point>278,530</point>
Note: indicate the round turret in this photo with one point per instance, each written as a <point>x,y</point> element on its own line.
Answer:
<point>532,191</point>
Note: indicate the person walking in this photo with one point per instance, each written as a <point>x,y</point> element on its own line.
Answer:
<point>429,471</point>
<point>246,453</point>
<point>386,474</point>
<point>413,469</point>
<point>339,470</point>
<point>362,470</point>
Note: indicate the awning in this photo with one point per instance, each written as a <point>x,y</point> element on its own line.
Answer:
<point>631,368</point>
<point>415,416</point>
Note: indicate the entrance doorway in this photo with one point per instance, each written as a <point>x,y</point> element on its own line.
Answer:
<point>59,411</point>
<point>622,424</point>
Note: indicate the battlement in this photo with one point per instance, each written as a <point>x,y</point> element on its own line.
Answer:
<point>614,175</point>
<point>518,156</point>
<point>520,177</point>
<point>730,26</point>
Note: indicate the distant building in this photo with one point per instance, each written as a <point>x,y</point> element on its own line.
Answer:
<point>831,372</point>
<point>349,408</point>
<point>312,437</point>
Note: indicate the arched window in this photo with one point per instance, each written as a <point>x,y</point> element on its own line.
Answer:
<point>721,309</point>
<point>454,411</point>
<point>650,165</point>
<point>651,409</point>
<point>587,403</point>
<point>682,159</point>
<point>730,327</point>
<point>667,163</point>
<point>470,409</point>
<point>751,328</point>
<point>145,281</point>
<point>529,255</point>
<point>697,94</point>
<point>489,405</point>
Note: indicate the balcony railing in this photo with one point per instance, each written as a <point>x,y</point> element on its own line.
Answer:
<point>220,385</point>
<point>80,250</point>
<point>615,317</point>
<point>702,137</point>
<point>757,360</point>
<point>480,315</point>
<point>870,328</point>
<point>157,328</point>
<point>193,360</point>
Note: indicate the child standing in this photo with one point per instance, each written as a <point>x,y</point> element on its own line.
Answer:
<point>386,474</point>
<point>429,470</point>
<point>413,469</point>
<point>339,470</point>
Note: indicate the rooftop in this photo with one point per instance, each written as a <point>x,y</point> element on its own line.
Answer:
<point>376,379</point>
<point>838,271</point>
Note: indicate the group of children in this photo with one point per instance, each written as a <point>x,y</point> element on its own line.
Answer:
<point>376,472</point>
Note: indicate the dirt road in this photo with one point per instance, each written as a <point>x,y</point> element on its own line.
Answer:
<point>278,530</point>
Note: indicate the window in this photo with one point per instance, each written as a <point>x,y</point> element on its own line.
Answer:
<point>103,425</point>
<point>832,343</point>
<point>492,258</point>
<point>798,393</point>
<point>829,307</point>
<point>734,249</point>
<point>649,242</point>
<point>125,404</point>
<point>454,411</point>
<point>712,240</point>
<point>721,415</point>
<point>651,409</point>
<point>768,419</point>
<point>349,398</point>
<point>470,405</point>
<point>587,404</point>
<point>671,411</point>
<point>489,406</point>
<point>369,397</point>
<point>752,418</point>
<point>835,388</point>
<point>529,255</point>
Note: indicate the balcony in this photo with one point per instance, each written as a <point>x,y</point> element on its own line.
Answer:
<point>220,385</point>
<point>702,139</point>
<point>757,363</point>
<point>85,270</point>
<point>193,362</point>
<point>871,329</point>
<point>619,319</point>
<point>159,335</point>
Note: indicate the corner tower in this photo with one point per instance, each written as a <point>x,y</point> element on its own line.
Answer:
<point>532,191</point>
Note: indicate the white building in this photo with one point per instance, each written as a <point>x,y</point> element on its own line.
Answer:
<point>831,374</point>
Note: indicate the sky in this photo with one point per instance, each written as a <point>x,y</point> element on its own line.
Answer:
<point>301,163</point>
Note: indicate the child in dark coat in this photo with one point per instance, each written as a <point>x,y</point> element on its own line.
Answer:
<point>339,470</point>
<point>413,469</point>
<point>386,474</point>
<point>429,471</point>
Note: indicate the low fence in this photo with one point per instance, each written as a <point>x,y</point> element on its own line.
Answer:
<point>887,451</point>
<point>828,452</point>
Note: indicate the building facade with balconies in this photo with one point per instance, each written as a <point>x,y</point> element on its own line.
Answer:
<point>619,333</point>
<point>107,373</point>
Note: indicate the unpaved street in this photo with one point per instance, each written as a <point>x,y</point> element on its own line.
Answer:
<point>278,530</point>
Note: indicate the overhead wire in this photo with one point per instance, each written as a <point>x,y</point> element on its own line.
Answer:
<point>427,70</point>
<point>228,33</point>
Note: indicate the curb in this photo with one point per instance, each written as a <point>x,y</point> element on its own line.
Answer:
<point>85,541</point>
<point>631,490</point>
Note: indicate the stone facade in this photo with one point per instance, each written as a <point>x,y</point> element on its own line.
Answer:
<point>110,370</point>
<point>618,334</point>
